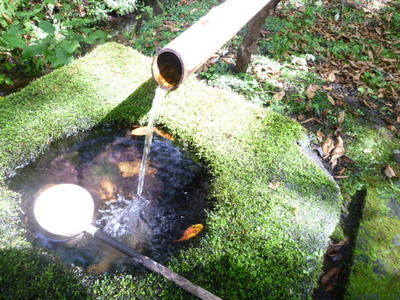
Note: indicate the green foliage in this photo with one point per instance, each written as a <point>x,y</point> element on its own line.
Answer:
<point>48,33</point>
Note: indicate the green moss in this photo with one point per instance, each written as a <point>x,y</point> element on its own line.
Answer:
<point>338,235</point>
<point>259,242</point>
<point>71,99</point>
<point>375,272</point>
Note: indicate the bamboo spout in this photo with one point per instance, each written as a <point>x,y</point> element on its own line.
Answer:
<point>174,63</point>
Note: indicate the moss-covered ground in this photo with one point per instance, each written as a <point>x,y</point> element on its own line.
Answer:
<point>271,212</point>
<point>376,258</point>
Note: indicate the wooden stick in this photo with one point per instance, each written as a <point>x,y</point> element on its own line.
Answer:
<point>153,265</point>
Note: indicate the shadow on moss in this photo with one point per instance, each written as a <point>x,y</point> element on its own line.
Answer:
<point>135,108</point>
<point>28,275</point>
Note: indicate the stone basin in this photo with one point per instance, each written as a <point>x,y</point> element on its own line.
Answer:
<point>271,208</point>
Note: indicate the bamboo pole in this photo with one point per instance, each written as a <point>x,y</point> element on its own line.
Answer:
<point>174,63</point>
<point>152,265</point>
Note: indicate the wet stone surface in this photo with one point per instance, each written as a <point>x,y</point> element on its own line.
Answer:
<point>106,162</point>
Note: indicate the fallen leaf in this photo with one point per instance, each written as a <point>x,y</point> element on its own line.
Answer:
<point>331,100</point>
<point>331,275</point>
<point>320,136</point>
<point>332,76</point>
<point>107,190</point>
<point>341,117</point>
<point>337,152</point>
<point>342,171</point>
<point>301,117</point>
<point>173,29</point>
<point>279,96</point>
<point>311,90</point>
<point>338,131</point>
<point>139,131</point>
<point>164,134</point>
<point>347,160</point>
<point>336,247</point>
<point>128,168</point>
<point>274,185</point>
<point>132,168</point>
<point>191,232</point>
<point>390,172</point>
<point>327,147</point>
<point>370,55</point>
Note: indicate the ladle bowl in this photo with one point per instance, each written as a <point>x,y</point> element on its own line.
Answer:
<point>64,210</point>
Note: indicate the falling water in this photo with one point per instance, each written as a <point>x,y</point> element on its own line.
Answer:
<point>159,95</point>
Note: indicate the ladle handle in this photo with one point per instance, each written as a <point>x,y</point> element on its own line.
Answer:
<point>155,266</point>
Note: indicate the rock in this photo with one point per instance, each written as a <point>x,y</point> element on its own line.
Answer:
<point>396,155</point>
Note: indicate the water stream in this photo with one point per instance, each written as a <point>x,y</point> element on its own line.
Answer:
<point>158,97</point>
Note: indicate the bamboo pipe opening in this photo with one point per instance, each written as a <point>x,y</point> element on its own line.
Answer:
<point>168,69</point>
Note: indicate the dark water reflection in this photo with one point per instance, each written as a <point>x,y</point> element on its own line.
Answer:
<point>106,162</point>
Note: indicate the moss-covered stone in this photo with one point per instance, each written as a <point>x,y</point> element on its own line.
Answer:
<point>375,272</point>
<point>273,208</point>
<point>376,259</point>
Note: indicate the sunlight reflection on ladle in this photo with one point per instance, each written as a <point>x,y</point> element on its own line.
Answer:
<point>64,209</point>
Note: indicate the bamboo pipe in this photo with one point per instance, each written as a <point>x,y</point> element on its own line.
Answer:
<point>174,63</point>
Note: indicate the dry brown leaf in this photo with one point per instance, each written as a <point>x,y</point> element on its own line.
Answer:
<point>301,117</point>
<point>390,172</point>
<point>327,147</point>
<point>164,134</point>
<point>332,76</point>
<point>320,136</point>
<point>311,90</point>
<point>337,247</point>
<point>370,55</point>
<point>128,168</point>
<point>331,275</point>
<point>331,100</point>
<point>341,117</point>
<point>337,152</point>
<point>338,131</point>
<point>279,96</point>
<point>274,185</point>
<point>347,160</point>
<point>139,131</point>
